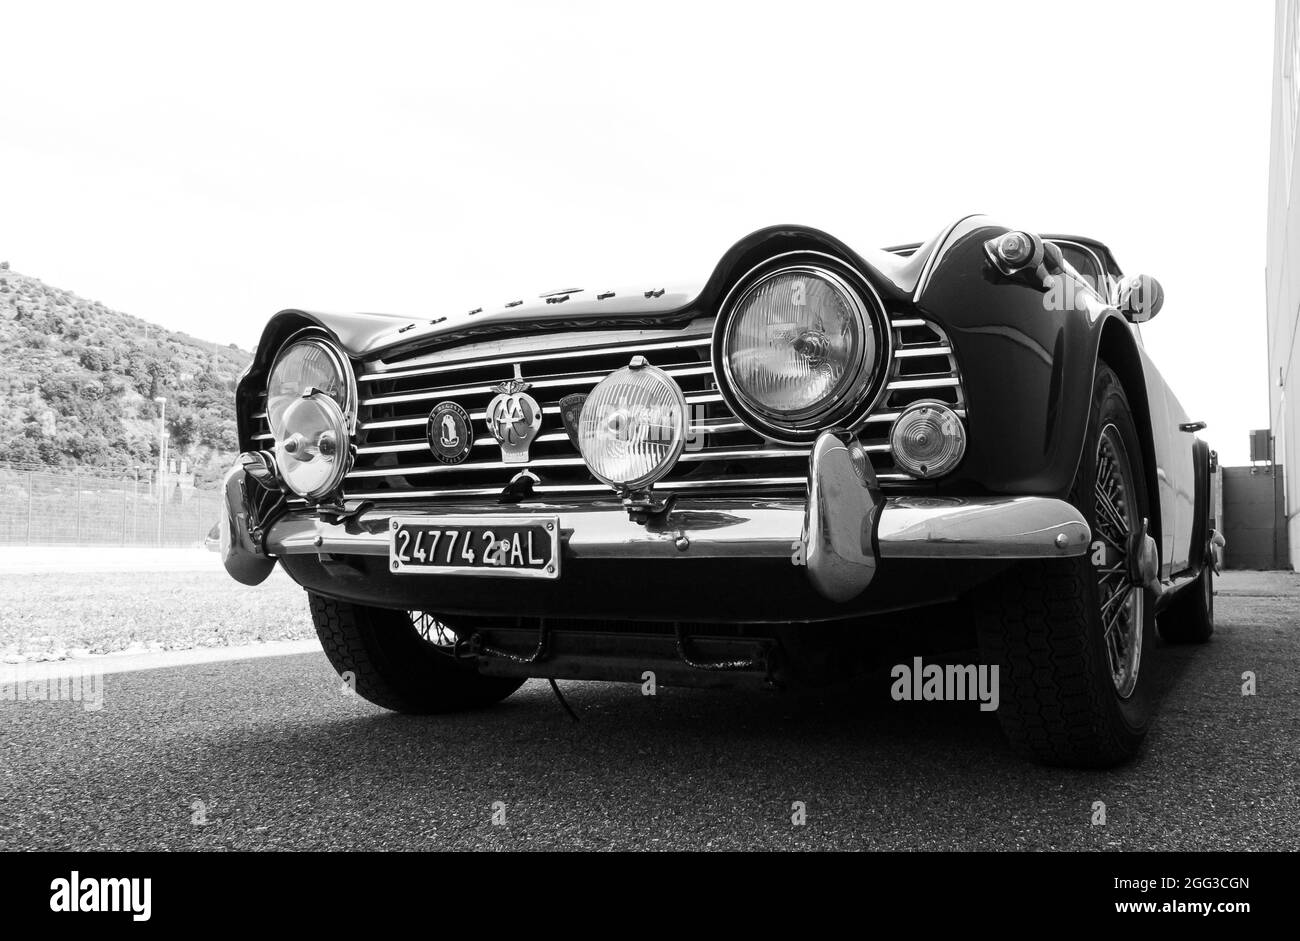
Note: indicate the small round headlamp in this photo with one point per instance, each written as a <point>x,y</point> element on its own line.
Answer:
<point>312,451</point>
<point>928,439</point>
<point>633,426</point>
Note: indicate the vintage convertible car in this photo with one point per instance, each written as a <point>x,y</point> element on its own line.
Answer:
<point>734,481</point>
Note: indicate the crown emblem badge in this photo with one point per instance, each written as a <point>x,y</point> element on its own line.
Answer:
<point>513,418</point>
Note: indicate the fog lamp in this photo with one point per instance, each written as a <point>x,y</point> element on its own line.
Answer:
<point>633,426</point>
<point>312,450</point>
<point>928,439</point>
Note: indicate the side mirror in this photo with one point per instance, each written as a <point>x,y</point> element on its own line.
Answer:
<point>1140,298</point>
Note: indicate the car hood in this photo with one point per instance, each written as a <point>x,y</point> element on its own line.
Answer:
<point>656,304</point>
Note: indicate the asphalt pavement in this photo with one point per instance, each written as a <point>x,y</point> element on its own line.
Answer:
<point>270,753</point>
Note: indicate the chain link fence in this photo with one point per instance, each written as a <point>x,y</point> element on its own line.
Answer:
<point>61,508</point>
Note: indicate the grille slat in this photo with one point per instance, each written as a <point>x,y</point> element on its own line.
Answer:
<point>550,383</point>
<point>910,352</point>
<point>524,360</point>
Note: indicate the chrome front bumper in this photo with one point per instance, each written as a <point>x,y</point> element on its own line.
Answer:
<point>838,534</point>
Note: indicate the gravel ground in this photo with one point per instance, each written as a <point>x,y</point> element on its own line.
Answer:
<point>272,755</point>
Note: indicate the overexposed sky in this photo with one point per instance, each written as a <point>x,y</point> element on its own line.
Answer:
<point>203,166</point>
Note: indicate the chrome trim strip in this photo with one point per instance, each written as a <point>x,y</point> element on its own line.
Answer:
<point>419,470</point>
<point>909,352</point>
<point>719,428</point>
<point>942,382</point>
<point>894,416</point>
<point>723,483</point>
<point>489,441</point>
<point>476,492</point>
<point>932,259</point>
<point>742,453</point>
<point>697,398</point>
<point>540,383</point>
<point>405,446</point>
<point>396,423</point>
<point>542,357</point>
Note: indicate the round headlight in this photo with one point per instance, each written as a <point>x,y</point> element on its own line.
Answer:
<point>307,364</point>
<point>928,439</point>
<point>799,350</point>
<point>633,426</point>
<point>313,452</point>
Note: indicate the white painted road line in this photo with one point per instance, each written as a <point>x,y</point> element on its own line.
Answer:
<point>152,660</point>
<point>35,560</point>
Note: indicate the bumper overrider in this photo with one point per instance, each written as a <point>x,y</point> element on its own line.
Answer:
<point>840,535</point>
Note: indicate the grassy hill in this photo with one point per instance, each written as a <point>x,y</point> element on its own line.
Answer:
<point>78,382</point>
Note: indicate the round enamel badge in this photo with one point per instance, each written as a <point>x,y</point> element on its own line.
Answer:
<point>449,433</point>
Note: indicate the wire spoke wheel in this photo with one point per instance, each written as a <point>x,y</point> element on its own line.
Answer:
<point>1116,521</point>
<point>432,631</point>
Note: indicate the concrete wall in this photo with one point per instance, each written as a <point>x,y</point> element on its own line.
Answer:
<point>1282,274</point>
<point>1254,524</point>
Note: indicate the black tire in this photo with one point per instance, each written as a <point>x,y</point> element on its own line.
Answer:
<point>1041,623</point>
<point>1189,619</point>
<point>382,653</point>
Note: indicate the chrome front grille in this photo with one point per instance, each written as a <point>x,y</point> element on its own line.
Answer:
<point>393,459</point>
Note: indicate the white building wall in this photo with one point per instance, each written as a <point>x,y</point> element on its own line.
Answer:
<point>1283,265</point>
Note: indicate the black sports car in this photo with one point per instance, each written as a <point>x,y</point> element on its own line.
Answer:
<point>726,482</point>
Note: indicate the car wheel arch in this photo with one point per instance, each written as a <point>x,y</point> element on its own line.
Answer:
<point>1117,348</point>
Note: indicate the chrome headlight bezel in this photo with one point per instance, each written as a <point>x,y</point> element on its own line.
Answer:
<point>338,359</point>
<point>854,398</point>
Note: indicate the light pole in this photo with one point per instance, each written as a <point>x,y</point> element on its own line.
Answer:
<point>162,434</point>
<point>162,459</point>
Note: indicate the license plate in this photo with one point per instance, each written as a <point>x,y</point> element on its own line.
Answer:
<point>510,546</point>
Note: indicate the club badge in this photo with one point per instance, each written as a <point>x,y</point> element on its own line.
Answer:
<point>513,418</point>
<point>449,432</point>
